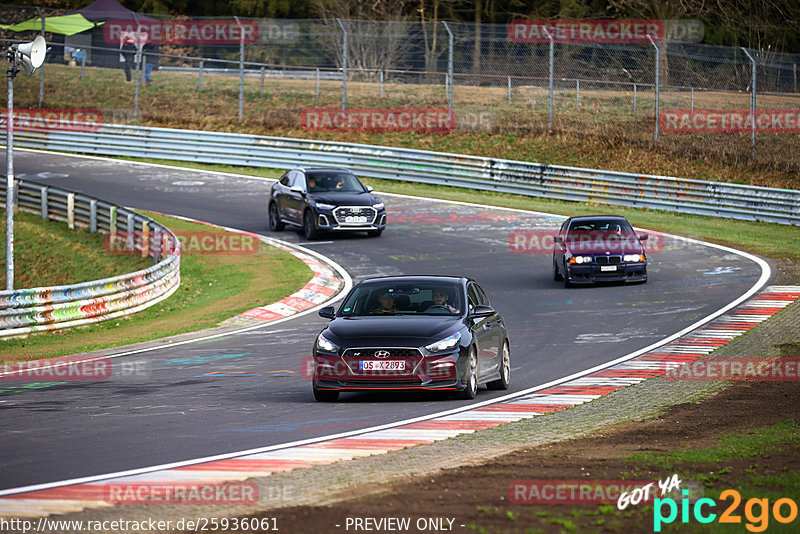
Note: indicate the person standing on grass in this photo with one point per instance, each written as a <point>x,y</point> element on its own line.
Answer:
<point>127,53</point>
<point>151,52</point>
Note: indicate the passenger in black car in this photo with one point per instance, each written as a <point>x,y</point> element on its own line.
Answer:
<point>386,304</point>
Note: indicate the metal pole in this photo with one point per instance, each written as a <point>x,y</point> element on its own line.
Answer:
<point>691,108</point>
<point>450,79</point>
<point>550,80</point>
<point>657,89</point>
<point>381,84</point>
<point>10,173</point>
<point>344,65</point>
<point>200,77</point>
<point>137,61</point>
<point>41,72</point>
<point>634,100</point>
<point>794,69</point>
<point>316,93</point>
<point>261,92</point>
<point>509,90</point>
<point>241,69</point>
<point>577,94</point>
<point>752,103</point>
<point>83,64</point>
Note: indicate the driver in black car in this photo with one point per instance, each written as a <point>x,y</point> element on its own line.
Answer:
<point>386,304</point>
<point>440,298</point>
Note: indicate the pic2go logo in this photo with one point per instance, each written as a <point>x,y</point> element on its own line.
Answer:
<point>758,520</point>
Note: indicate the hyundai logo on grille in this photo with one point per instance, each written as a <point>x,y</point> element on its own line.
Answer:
<point>381,353</point>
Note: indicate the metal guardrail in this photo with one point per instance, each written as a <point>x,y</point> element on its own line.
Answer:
<point>472,172</point>
<point>24,311</point>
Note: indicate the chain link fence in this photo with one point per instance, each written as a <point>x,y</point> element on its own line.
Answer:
<point>265,73</point>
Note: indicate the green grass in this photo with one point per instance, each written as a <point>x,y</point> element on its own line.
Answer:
<point>213,288</point>
<point>48,253</point>
<point>753,443</point>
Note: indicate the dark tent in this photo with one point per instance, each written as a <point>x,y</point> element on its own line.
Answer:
<point>105,10</point>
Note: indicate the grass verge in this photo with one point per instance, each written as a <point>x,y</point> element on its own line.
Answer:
<point>213,288</point>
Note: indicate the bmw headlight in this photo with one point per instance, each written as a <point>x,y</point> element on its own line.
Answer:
<point>324,344</point>
<point>323,206</point>
<point>378,206</point>
<point>444,344</point>
<point>580,259</point>
<point>633,257</point>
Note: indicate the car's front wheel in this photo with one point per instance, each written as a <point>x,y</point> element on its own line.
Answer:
<point>309,228</point>
<point>325,395</point>
<point>470,390</point>
<point>505,370</point>
<point>275,223</point>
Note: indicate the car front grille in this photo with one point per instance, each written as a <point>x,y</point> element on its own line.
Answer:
<point>411,356</point>
<point>369,353</point>
<point>608,260</point>
<point>342,212</point>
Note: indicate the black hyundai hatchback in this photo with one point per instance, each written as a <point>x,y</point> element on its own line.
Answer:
<point>412,333</point>
<point>325,200</point>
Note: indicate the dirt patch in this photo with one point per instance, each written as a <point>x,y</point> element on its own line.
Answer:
<point>478,497</point>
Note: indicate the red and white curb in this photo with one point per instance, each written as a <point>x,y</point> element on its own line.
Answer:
<point>687,348</point>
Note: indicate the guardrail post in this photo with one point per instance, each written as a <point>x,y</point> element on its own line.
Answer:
<point>449,78</point>
<point>200,77</point>
<point>145,238</point>
<point>344,65</point>
<point>44,203</point>
<point>241,69</point>
<point>657,88</point>
<point>752,103</point>
<point>130,229</point>
<point>71,211</point>
<point>112,219</point>
<point>93,216</point>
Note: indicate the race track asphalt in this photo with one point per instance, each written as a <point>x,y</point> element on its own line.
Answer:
<point>189,407</point>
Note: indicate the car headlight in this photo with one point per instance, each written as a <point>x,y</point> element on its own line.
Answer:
<point>444,344</point>
<point>580,259</point>
<point>325,344</point>
<point>633,257</point>
<point>323,206</point>
<point>378,206</point>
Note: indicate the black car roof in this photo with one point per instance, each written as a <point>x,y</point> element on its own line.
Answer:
<point>416,279</point>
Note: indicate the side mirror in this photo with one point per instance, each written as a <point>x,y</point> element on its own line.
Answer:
<point>558,240</point>
<point>327,312</point>
<point>643,237</point>
<point>296,189</point>
<point>482,311</point>
<point>370,189</point>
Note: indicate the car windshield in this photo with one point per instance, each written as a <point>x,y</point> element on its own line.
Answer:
<point>397,298</point>
<point>333,181</point>
<point>620,226</point>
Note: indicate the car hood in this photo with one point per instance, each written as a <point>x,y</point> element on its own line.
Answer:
<point>345,199</point>
<point>396,330</point>
<point>604,244</point>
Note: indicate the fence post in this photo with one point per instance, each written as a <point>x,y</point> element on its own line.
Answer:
<point>449,79</point>
<point>381,76</point>
<point>83,64</point>
<point>509,90</point>
<point>137,61</point>
<point>344,65</point>
<point>41,68</point>
<point>316,93</point>
<point>93,216</point>
<point>71,211</point>
<point>752,103</point>
<point>691,106</point>
<point>241,69</point>
<point>261,92</point>
<point>577,94</point>
<point>657,89</point>
<point>44,203</point>
<point>200,77</point>
<point>550,79</point>
<point>794,69</point>
<point>634,100</point>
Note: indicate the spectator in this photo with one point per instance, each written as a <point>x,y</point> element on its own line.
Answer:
<point>127,54</point>
<point>151,52</point>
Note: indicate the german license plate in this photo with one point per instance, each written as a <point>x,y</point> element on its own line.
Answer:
<point>355,219</point>
<point>389,365</point>
<point>608,267</point>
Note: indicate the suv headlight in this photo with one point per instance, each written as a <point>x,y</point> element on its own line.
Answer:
<point>325,344</point>
<point>378,206</point>
<point>444,344</point>
<point>323,206</point>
